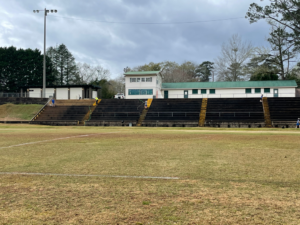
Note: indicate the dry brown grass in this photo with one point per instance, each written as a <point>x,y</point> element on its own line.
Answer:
<point>225,178</point>
<point>21,112</point>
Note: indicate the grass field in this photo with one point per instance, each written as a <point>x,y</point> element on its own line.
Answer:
<point>18,112</point>
<point>225,176</point>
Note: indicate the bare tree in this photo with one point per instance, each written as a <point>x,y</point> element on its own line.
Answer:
<point>118,84</point>
<point>282,48</point>
<point>172,72</point>
<point>234,55</point>
<point>89,73</point>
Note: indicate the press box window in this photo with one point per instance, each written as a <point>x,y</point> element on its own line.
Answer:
<point>257,90</point>
<point>195,91</point>
<point>248,90</point>
<point>140,92</point>
<point>203,91</point>
<point>149,79</point>
<point>132,80</point>
<point>138,79</point>
<point>267,90</point>
<point>212,91</point>
<point>143,79</point>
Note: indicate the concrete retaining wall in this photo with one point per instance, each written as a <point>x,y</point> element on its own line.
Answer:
<point>284,124</point>
<point>110,123</point>
<point>170,124</point>
<point>14,121</point>
<point>56,123</point>
<point>235,124</point>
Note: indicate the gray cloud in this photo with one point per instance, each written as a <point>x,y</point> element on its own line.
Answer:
<point>116,46</point>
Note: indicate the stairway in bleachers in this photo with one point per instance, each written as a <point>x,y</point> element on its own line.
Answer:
<point>268,122</point>
<point>66,110</point>
<point>118,110</point>
<point>203,112</point>
<point>284,109</point>
<point>235,109</point>
<point>144,113</point>
<point>174,110</point>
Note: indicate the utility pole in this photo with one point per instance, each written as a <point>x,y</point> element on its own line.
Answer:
<point>44,63</point>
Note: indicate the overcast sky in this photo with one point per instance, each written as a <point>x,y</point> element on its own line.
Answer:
<point>117,45</point>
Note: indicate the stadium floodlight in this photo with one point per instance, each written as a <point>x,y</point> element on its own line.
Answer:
<point>44,61</point>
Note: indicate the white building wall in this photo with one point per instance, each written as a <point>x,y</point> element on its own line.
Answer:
<point>231,93</point>
<point>94,95</point>
<point>75,93</point>
<point>158,81</point>
<point>49,92</point>
<point>35,92</point>
<point>61,93</point>
<point>286,92</point>
<point>140,85</point>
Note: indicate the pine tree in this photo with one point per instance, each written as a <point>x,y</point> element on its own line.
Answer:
<point>22,67</point>
<point>64,64</point>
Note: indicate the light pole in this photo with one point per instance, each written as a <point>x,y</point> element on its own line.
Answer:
<point>44,67</point>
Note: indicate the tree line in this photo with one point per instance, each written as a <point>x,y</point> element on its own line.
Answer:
<point>24,67</point>
<point>240,60</point>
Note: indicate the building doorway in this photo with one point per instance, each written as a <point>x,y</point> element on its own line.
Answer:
<point>275,93</point>
<point>186,94</point>
<point>166,94</point>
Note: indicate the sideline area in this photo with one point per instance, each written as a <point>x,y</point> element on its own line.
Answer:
<point>157,175</point>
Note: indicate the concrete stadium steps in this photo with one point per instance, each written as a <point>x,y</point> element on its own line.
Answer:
<point>63,113</point>
<point>234,109</point>
<point>267,116</point>
<point>284,109</point>
<point>222,112</point>
<point>203,112</point>
<point>79,102</point>
<point>118,110</point>
<point>174,109</point>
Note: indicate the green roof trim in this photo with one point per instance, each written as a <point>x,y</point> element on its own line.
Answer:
<point>142,73</point>
<point>234,84</point>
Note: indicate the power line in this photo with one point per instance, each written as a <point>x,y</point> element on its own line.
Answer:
<point>149,23</point>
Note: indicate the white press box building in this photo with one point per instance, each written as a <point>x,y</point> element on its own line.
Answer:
<point>148,84</point>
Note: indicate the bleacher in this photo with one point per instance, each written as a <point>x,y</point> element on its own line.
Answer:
<point>174,110</point>
<point>181,112</point>
<point>284,109</point>
<point>118,110</point>
<point>66,110</point>
<point>234,110</point>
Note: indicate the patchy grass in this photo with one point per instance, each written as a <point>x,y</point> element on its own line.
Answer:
<point>227,176</point>
<point>9,111</point>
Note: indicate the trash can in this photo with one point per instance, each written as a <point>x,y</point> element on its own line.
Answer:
<point>130,124</point>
